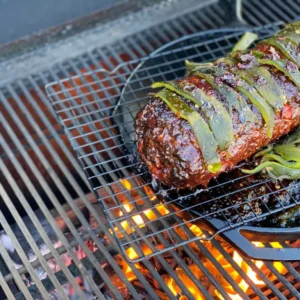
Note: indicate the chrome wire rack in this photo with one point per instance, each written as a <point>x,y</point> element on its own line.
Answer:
<point>98,109</point>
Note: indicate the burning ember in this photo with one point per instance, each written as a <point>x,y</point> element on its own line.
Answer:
<point>252,273</point>
<point>232,263</point>
<point>171,283</point>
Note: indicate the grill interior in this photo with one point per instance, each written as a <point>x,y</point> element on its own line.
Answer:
<point>47,202</point>
<point>98,112</point>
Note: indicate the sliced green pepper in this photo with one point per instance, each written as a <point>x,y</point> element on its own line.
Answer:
<point>293,165</point>
<point>294,138</point>
<point>193,66</point>
<point>217,116</point>
<point>245,41</point>
<point>210,68</point>
<point>283,66</point>
<point>264,151</point>
<point>286,46</point>
<point>285,164</point>
<point>258,54</point>
<point>291,31</point>
<point>203,135</point>
<point>229,60</point>
<point>264,83</point>
<point>232,98</point>
<point>258,101</point>
<point>279,172</point>
<point>173,86</point>
<point>261,104</point>
<point>288,152</point>
<point>275,170</point>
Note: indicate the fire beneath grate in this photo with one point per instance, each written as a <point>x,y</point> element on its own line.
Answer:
<point>243,272</point>
<point>255,271</point>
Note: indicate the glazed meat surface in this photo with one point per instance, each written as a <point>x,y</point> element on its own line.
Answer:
<point>167,144</point>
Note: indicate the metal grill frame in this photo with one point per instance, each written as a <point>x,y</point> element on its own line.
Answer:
<point>286,286</point>
<point>87,108</point>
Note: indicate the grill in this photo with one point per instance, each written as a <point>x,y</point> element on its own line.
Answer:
<point>53,229</point>
<point>98,115</point>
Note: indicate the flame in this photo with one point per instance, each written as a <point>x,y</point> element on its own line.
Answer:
<point>249,271</point>
<point>160,210</point>
<point>193,289</point>
<point>126,183</point>
<point>149,192</point>
<point>138,219</point>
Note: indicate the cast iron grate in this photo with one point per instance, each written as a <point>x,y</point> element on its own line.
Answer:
<point>97,110</point>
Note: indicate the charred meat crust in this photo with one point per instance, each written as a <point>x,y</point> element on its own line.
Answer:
<point>167,145</point>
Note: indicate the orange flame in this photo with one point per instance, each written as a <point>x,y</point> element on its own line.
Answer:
<point>126,183</point>
<point>153,214</point>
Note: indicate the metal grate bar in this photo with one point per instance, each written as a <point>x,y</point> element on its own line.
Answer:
<point>185,268</point>
<point>72,228</point>
<point>17,277</point>
<point>182,286</point>
<point>283,280</point>
<point>111,261</point>
<point>7,290</point>
<point>48,125</point>
<point>172,272</point>
<point>288,11</point>
<point>102,274</point>
<point>250,263</point>
<point>20,251</point>
<point>109,56</point>
<point>36,222</point>
<point>29,238</point>
<point>78,111</point>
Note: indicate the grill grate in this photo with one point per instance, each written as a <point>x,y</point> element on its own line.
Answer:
<point>22,187</point>
<point>98,110</point>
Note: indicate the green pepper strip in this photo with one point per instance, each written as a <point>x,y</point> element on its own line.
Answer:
<point>258,101</point>
<point>293,165</point>
<point>294,138</point>
<point>203,67</point>
<point>245,41</point>
<point>264,108</point>
<point>259,168</point>
<point>203,135</point>
<point>258,54</point>
<point>278,172</point>
<point>275,170</point>
<point>232,98</point>
<point>172,86</point>
<point>217,115</point>
<point>291,31</point>
<point>193,66</point>
<point>281,65</point>
<point>288,152</point>
<point>269,89</point>
<point>286,46</point>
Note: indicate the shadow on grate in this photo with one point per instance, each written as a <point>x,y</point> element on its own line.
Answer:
<point>98,109</point>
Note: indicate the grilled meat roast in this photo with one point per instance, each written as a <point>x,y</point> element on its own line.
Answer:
<point>221,113</point>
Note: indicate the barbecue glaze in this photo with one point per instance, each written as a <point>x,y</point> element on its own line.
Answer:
<point>166,141</point>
